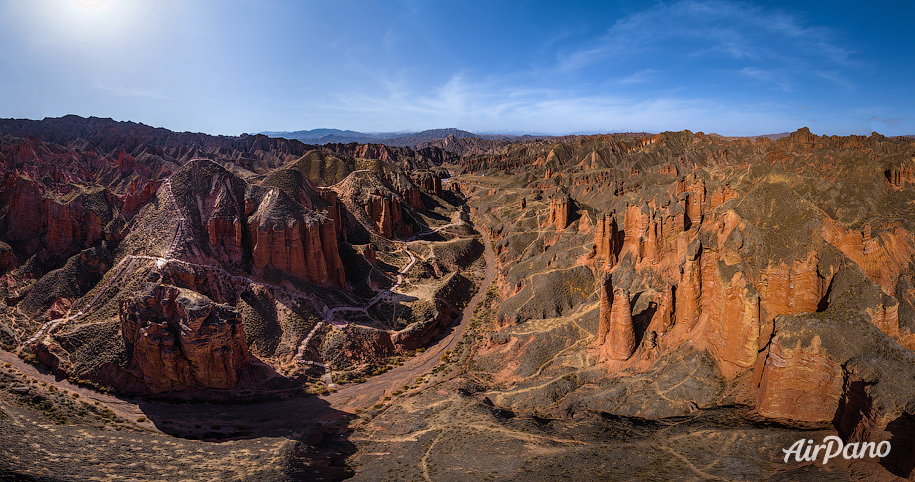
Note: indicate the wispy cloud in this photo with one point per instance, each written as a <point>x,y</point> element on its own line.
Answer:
<point>837,78</point>
<point>775,77</point>
<point>694,32</point>
<point>889,122</point>
<point>640,77</point>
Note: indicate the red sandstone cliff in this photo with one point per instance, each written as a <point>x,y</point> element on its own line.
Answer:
<point>560,211</point>
<point>179,339</point>
<point>304,249</point>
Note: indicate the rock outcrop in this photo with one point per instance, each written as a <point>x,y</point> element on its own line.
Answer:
<point>619,342</point>
<point>607,241</point>
<point>428,181</point>
<point>385,211</point>
<point>306,249</point>
<point>409,191</point>
<point>179,339</point>
<point>560,211</point>
<point>794,373</point>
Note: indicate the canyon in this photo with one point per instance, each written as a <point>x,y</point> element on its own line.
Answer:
<point>519,304</point>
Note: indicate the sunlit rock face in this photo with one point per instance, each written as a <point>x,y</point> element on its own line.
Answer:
<point>774,265</point>
<point>179,339</point>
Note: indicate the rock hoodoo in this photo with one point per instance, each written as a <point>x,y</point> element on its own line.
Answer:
<point>560,211</point>
<point>619,342</point>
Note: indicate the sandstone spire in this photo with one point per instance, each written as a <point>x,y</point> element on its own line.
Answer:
<point>665,314</point>
<point>560,211</point>
<point>606,300</point>
<point>689,290</point>
<point>607,241</point>
<point>620,340</point>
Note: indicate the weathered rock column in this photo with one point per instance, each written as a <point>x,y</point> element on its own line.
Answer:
<point>620,341</point>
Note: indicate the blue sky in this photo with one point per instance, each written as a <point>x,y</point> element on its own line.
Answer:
<point>233,66</point>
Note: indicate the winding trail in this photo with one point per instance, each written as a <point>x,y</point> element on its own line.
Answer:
<point>353,396</point>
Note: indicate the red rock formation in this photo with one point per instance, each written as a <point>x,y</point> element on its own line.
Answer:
<point>733,327</point>
<point>796,373</point>
<point>413,197</point>
<point>721,195</point>
<point>669,169</point>
<point>635,227</point>
<point>898,177</point>
<point>136,198</point>
<point>331,252</point>
<point>560,211</point>
<point>333,210</point>
<point>886,317</point>
<point>404,186</point>
<point>606,303</point>
<point>226,236</point>
<point>307,250</point>
<point>692,190</point>
<point>7,258</point>
<point>882,257</point>
<point>374,151</point>
<point>179,339</point>
<point>386,212</point>
<point>665,316</point>
<point>27,215</point>
<point>619,343</point>
<point>369,254</point>
<point>428,181</point>
<point>790,290</point>
<point>689,289</point>
<point>607,242</point>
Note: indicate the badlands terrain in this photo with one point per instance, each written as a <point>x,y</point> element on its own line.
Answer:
<point>678,306</point>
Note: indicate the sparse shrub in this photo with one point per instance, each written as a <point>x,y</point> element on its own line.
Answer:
<point>141,419</point>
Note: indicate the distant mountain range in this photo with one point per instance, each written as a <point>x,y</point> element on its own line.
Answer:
<point>403,139</point>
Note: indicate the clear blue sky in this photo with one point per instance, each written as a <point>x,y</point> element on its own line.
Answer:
<point>233,66</point>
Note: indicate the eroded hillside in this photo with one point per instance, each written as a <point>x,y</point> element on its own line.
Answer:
<point>646,306</point>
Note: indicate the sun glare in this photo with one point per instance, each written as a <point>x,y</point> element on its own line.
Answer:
<point>89,4</point>
<point>90,20</point>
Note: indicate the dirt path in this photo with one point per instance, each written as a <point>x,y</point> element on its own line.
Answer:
<point>365,394</point>
<point>274,418</point>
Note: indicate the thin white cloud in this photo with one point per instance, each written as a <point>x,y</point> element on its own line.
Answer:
<point>837,78</point>
<point>701,31</point>
<point>774,77</point>
<point>640,77</point>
